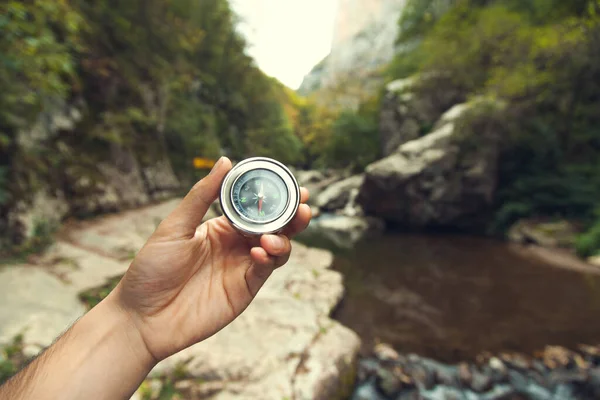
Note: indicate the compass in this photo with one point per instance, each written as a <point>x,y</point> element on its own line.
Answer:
<point>260,196</point>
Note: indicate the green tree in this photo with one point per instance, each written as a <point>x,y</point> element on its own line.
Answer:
<point>354,141</point>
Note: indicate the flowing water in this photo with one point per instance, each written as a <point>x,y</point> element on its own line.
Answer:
<point>453,297</point>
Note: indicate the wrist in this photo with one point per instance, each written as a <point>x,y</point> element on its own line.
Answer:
<point>127,329</point>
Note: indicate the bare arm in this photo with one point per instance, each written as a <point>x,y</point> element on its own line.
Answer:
<point>102,356</point>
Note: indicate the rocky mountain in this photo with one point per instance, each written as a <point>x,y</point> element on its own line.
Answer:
<point>365,32</point>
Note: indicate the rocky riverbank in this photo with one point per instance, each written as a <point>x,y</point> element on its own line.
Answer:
<point>284,345</point>
<point>555,373</point>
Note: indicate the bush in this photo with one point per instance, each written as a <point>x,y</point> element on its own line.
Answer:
<point>588,244</point>
<point>354,141</point>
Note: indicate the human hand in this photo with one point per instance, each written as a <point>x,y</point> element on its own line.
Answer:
<point>189,280</point>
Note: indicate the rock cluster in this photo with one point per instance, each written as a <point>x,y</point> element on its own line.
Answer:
<point>556,373</point>
<point>343,222</point>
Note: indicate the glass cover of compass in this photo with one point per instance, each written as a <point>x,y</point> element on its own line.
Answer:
<point>259,196</point>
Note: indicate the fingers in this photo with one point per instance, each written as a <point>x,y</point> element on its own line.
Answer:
<point>300,221</point>
<point>188,215</point>
<point>274,252</point>
<point>304,195</point>
<point>276,245</point>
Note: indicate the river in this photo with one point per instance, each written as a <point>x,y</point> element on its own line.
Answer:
<point>451,297</point>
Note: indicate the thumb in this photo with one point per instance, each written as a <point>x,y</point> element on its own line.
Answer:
<point>189,214</point>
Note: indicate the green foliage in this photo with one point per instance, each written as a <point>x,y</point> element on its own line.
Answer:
<point>405,64</point>
<point>588,244</point>
<point>42,237</point>
<point>12,359</point>
<point>420,16</point>
<point>4,194</point>
<point>354,141</point>
<point>92,297</point>
<point>540,58</point>
<point>153,78</point>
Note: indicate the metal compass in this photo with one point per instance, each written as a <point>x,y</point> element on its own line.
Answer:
<point>260,196</point>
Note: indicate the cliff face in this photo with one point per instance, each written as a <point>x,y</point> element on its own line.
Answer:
<point>364,37</point>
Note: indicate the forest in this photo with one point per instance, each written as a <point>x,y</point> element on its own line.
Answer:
<point>173,77</point>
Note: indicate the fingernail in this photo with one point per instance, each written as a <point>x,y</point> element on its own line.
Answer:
<point>277,242</point>
<point>216,166</point>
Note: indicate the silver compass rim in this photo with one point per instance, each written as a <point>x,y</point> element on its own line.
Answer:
<point>252,228</point>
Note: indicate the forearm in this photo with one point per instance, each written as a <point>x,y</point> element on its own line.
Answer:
<point>102,356</point>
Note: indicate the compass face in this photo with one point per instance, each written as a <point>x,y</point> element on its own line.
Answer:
<point>259,196</point>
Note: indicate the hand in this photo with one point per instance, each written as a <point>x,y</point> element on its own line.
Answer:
<point>190,281</point>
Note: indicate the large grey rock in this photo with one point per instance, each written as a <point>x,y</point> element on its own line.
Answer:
<point>337,195</point>
<point>444,179</point>
<point>398,122</point>
<point>56,117</point>
<point>410,108</point>
<point>44,210</point>
<point>318,181</point>
<point>160,179</point>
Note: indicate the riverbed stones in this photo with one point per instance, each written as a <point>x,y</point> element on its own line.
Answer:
<point>479,381</point>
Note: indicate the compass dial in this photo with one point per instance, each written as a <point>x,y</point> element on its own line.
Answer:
<point>260,196</point>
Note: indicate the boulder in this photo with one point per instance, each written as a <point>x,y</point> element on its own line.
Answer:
<point>338,195</point>
<point>119,184</point>
<point>160,180</point>
<point>446,178</point>
<point>396,124</point>
<point>409,109</point>
<point>45,211</point>
<point>318,181</point>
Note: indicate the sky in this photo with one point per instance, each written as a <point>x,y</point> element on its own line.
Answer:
<point>287,38</point>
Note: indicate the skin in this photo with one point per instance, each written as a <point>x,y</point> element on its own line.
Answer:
<point>188,282</point>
